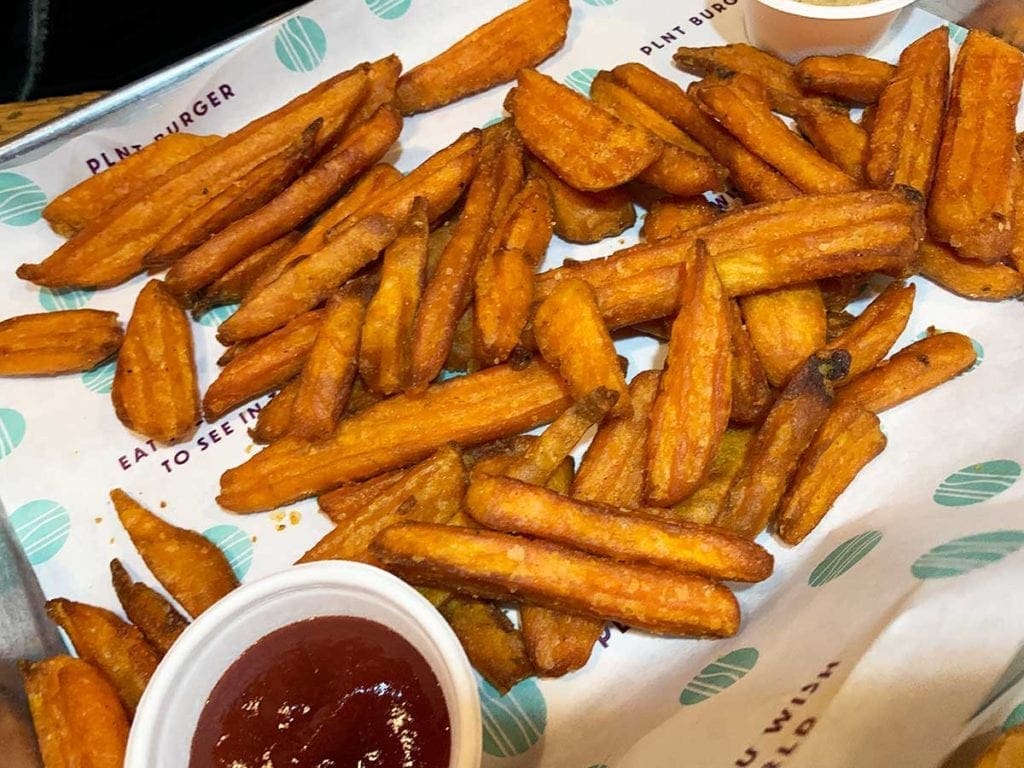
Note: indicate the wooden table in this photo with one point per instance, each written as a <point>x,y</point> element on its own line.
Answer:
<point>1001,17</point>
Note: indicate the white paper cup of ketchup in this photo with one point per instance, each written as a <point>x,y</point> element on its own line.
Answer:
<point>795,29</point>
<point>324,660</point>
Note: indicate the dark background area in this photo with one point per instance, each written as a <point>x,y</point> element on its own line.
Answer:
<point>63,47</point>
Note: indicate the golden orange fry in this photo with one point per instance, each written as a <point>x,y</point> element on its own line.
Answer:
<point>724,60</point>
<point>156,389</point>
<point>158,620</point>
<point>349,500</point>
<point>851,78</point>
<point>558,643</point>
<point>871,335</point>
<point>231,287</point>
<point>275,417</point>
<point>751,392</point>
<point>190,567</point>
<point>51,343</point>
<point>849,439</point>
<point>504,567</point>
<point>382,81</point>
<point>494,647</point>
<point>837,138</point>
<point>785,326</point>
<point>670,218</point>
<point>971,279</point>
<point>528,223</point>
<point>705,504</point>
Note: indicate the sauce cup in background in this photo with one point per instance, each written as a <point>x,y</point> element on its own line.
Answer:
<point>793,30</point>
<point>167,716</point>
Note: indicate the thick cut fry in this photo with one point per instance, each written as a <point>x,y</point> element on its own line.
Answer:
<point>231,287</point>
<point>971,279</point>
<point>79,720</point>
<point>558,643</point>
<point>360,149</point>
<point>913,370</point>
<point>350,500</point>
<point>572,336</point>
<point>110,250</point>
<point>275,417</point>
<point>971,202</point>
<point>850,78</point>
<point>527,224</point>
<point>158,620</point>
<point>51,343</point>
<point>764,134</point>
<point>612,470</point>
<point>849,439</point>
<point>469,410</point>
<point>751,393</point>
<point>755,179</point>
<point>785,326</point>
<point>190,567</point>
<point>327,376</point>
<point>670,218</point>
<point>494,647</point>
<point>739,58</point>
<point>430,492</point>
<point>705,504</point>
<point>908,121</point>
<point>509,505</point>
<point>85,202</point>
<point>253,190</point>
<point>870,336</point>
<point>156,389</point>
<point>783,438</point>
<point>837,138</point>
<point>691,410</point>
<point>587,147</point>
<point>525,36</point>
<point>110,643</point>
<point>264,366</point>
<point>585,217</point>
<point>500,566</point>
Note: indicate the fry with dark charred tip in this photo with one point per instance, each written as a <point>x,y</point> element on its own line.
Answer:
<point>73,210</point>
<point>670,218</point>
<point>107,641</point>
<point>788,429</point>
<point>78,718</point>
<point>785,326</point>
<point>848,440</point>
<point>971,201</point>
<point>837,138</point>
<point>494,647</point>
<point>158,620</point>
<point>739,58</point>
<point>751,392</point>
<point>584,217</point>
<point>156,388</point>
<point>526,35</point>
<point>265,365</point>
<point>705,504</point>
<point>51,343</point>
<point>967,278</point>
<point>871,335</point>
<point>190,567</point>
<point>572,336</point>
<point>505,567</point>
<point>907,124</point>
<point>912,371</point>
<point>850,78</point>
<point>231,287</point>
<point>590,149</point>
<point>691,410</point>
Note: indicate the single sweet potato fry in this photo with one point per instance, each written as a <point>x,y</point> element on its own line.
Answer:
<point>971,200</point>
<point>110,643</point>
<point>382,81</point>
<point>85,202</point>
<point>837,138</point>
<point>78,718</point>
<point>785,326</point>
<point>156,389</point>
<point>558,643</point>
<point>494,647</point>
<point>851,78</point>
<point>527,224</point>
<point>913,370</point>
<point>231,287</point>
<point>691,410</point>
<point>190,567</point>
<point>158,620</point>
<point>584,217</point>
<point>586,146</point>
<point>670,218</point>
<point>267,364</point>
<point>871,335</point>
<point>704,505</point>
<point>275,417</point>
<point>503,567</point>
<point>351,499</point>
<point>50,343</point>
<point>739,58</point>
<point>525,35</point>
<point>751,392</point>
<point>783,438</point>
<point>967,278</point>
<point>849,439</point>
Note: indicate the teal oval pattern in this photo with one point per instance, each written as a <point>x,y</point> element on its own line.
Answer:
<point>977,483</point>
<point>1015,718</point>
<point>101,378</point>
<point>580,80</point>
<point>42,526</point>
<point>718,675</point>
<point>21,200</point>
<point>957,33</point>
<point>211,318</point>
<point>389,10</point>
<point>600,2</point>
<point>236,545</point>
<point>53,301</point>
<point>12,430</point>
<point>844,557</point>
<point>960,556</point>
<point>300,44</point>
<point>514,722</point>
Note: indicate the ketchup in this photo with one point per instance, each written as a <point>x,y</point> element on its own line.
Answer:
<point>328,692</point>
